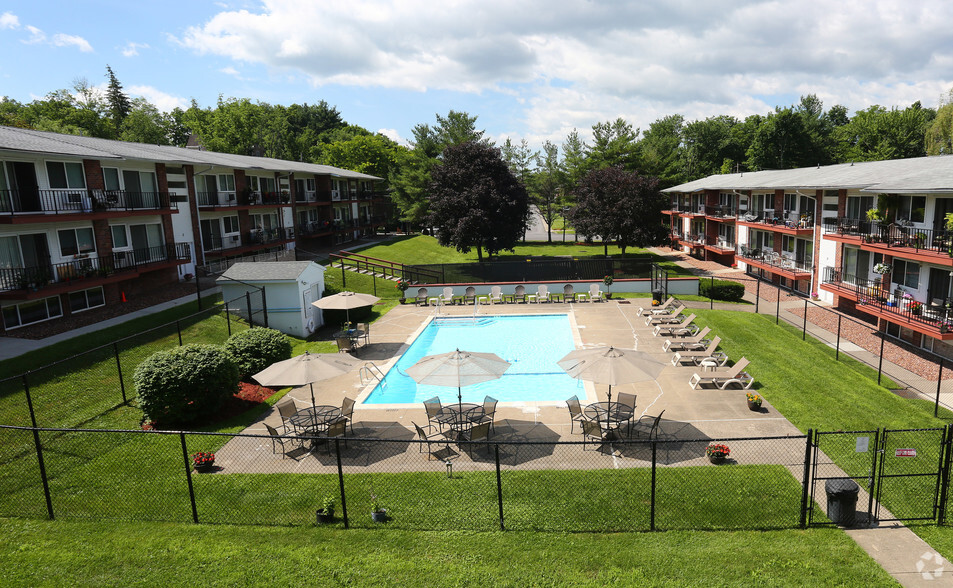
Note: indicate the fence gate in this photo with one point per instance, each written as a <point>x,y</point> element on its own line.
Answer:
<point>839,455</point>
<point>914,465</point>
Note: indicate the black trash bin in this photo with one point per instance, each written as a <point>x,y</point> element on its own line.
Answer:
<point>841,500</point>
<point>657,295</point>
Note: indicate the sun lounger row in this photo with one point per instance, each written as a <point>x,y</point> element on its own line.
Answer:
<point>724,377</point>
<point>665,308</point>
<point>496,295</point>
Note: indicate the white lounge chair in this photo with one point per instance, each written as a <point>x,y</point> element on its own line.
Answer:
<point>669,330</point>
<point>496,294</point>
<point>541,295</point>
<point>447,297</point>
<point>665,320</point>
<point>724,377</point>
<point>689,343</point>
<point>664,306</point>
<point>696,356</point>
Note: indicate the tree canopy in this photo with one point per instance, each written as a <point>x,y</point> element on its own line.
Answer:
<point>476,201</point>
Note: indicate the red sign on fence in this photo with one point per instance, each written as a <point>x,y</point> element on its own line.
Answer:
<point>906,453</point>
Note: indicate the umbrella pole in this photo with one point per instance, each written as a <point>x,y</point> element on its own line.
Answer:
<point>312,394</point>
<point>610,393</point>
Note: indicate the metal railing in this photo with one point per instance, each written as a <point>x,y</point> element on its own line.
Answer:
<point>91,266</point>
<point>721,211</point>
<point>897,234</point>
<point>776,259</point>
<point>80,201</point>
<point>270,235</point>
<point>872,295</point>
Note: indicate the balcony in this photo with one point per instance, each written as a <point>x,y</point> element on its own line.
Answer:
<point>789,222</point>
<point>91,269</point>
<point>315,228</point>
<point>896,239</point>
<point>776,263</point>
<point>254,239</point>
<point>720,212</point>
<point>719,245</point>
<point>78,202</point>
<point>264,236</point>
<point>870,297</point>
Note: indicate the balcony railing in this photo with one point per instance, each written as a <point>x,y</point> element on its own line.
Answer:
<point>314,228</point>
<point>270,235</point>
<point>893,234</point>
<point>775,259</point>
<point>870,294</point>
<point>720,243</point>
<point>720,211</point>
<point>90,266</point>
<point>791,219</point>
<point>79,201</point>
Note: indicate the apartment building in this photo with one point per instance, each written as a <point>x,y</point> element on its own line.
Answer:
<point>85,222</point>
<point>869,238</point>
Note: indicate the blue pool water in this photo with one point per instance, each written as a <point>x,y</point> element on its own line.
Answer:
<point>532,344</point>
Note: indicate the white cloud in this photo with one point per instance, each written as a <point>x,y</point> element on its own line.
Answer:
<point>64,40</point>
<point>162,100</point>
<point>8,20</point>
<point>394,136</point>
<point>575,62</point>
<point>36,35</point>
<point>132,49</point>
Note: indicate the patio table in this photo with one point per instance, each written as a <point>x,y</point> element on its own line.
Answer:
<point>352,334</point>
<point>609,413</point>
<point>315,419</point>
<point>458,417</point>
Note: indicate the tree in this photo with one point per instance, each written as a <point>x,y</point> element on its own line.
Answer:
<point>781,142</point>
<point>549,183</point>
<point>614,144</point>
<point>366,154</point>
<point>708,144</point>
<point>119,104</point>
<point>660,148</point>
<point>615,204</point>
<point>939,134</point>
<point>144,124</point>
<point>476,201</point>
<point>877,133</point>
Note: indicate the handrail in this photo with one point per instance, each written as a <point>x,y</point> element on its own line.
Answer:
<point>366,369</point>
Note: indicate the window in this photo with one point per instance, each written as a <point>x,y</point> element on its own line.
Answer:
<point>34,311</point>
<point>787,243</point>
<point>86,299</point>
<point>906,273</point>
<point>911,208</point>
<point>790,202</point>
<point>226,182</point>
<point>111,178</point>
<point>76,241</point>
<point>857,206</point>
<point>253,183</point>
<point>120,238</point>
<point>309,185</point>
<point>65,175</point>
<point>231,224</point>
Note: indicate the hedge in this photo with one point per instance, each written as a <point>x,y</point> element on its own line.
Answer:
<point>721,290</point>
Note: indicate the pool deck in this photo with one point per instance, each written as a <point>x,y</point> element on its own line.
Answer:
<point>689,414</point>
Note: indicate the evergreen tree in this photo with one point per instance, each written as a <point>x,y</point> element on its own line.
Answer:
<point>119,104</point>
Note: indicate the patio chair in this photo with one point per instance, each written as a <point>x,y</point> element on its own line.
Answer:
<point>595,293</point>
<point>519,294</point>
<point>541,295</point>
<point>496,294</point>
<point>345,344</point>
<point>477,433</point>
<point>575,412</point>
<point>669,319</point>
<point>347,412</point>
<point>696,356</point>
<point>592,430</point>
<point>627,399</point>
<point>723,378</point>
<point>663,306</point>
<point>433,406</point>
<point>489,411</point>
<point>366,327</point>
<point>337,430</point>
<point>279,439</point>
<point>569,293</point>
<point>441,454</point>
<point>447,296</point>
<point>646,426</point>
<point>287,410</point>
<point>421,297</point>
<point>469,297</point>
<point>669,329</point>
<point>689,343</point>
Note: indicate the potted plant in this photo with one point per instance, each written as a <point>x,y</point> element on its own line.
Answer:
<point>946,326</point>
<point>717,452</point>
<point>754,401</point>
<point>608,282</point>
<point>378,512</point>
<point>915,307</point>
<point>882,268</point>
<point>204,461</point>
<point>325,514</point>
<point>402,285</point>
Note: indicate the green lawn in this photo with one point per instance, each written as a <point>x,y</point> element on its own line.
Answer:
<point>122,554</point>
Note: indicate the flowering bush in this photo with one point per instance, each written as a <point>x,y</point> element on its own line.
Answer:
<point>203,459</point>
<point>402,285</point>
<point>608,280</point>
<point>882,268</point>
<point>717,450</point>
<point>915,307</point>
<point>907,296</point>
<point>754,398</point>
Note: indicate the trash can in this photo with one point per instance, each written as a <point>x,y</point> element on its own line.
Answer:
<point>841,500</point>
<point>657,295</point>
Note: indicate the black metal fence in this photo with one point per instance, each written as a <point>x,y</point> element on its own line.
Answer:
<point>533,270</point>
<point>551,486</point>
<point>77,390</point>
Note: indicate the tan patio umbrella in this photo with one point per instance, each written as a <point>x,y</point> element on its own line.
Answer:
<point>458,368</point>
<point>306,369</point>
<point>345,301</point>
<point>612,366</point>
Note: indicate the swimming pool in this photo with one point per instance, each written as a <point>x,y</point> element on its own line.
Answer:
<point>532,344</point>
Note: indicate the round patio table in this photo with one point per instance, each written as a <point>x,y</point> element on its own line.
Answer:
<point>610,413</point>
<point>458,417</point>
<point>315,418</point>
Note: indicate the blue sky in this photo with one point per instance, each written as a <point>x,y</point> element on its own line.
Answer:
<point>531,69</point>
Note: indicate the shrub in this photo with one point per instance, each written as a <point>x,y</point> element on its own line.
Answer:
<point>255,349</point>
<point>722,290</point>
<point>186,383</point>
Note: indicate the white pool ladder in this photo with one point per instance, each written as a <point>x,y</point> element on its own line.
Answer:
<point>370,372</point>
